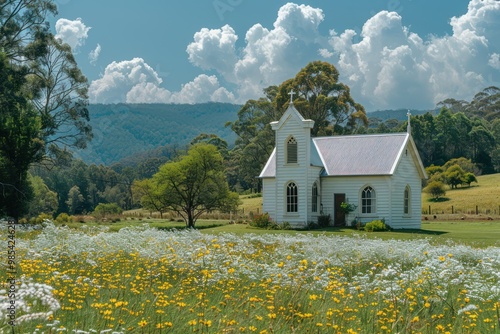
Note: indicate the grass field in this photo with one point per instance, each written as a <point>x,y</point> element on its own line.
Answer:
<point>485,195</point>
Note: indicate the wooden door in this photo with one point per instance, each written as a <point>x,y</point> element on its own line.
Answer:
<point>339,215</point>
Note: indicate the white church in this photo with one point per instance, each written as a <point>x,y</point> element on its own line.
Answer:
<point>380,175</point>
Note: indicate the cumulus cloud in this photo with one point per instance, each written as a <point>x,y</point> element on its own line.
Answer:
<point>386,66</point>
<point>134,81</point>
<point>270,55</point>
<point>214,49</point>
<point>94,54</point>
<point>390,67</point>
<point>72,32</point>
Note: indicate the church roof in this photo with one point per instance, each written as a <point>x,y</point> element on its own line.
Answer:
<point>360,154</point>
<point>354,155</point>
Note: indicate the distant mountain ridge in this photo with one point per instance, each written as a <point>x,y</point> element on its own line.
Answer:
<point>123,130</point>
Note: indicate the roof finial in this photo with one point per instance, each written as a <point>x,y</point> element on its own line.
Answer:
<point>291,96</point>
<point>408,127</point>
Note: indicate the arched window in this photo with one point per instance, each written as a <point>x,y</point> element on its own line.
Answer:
<point>368,200</point>
<point>407,200</point>
<point>291,151</point>
<point>292,198</point>
<point>315,197</point>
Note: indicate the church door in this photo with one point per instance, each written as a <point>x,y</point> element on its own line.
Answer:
<point>339,218</point>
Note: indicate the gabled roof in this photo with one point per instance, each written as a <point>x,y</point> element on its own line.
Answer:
<point>291,112</point>
<point>357,155</point>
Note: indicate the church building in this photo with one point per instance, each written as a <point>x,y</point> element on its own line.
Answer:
<point>379,175</point>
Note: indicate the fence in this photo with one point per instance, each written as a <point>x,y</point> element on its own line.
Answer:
<point>472,210</point>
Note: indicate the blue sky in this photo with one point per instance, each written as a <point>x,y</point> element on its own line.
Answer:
<point>392,53</point>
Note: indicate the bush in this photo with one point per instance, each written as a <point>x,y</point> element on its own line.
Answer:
<point>64,218</point>
<point>261,221</point>
<point>41,218</point>
<point>376,226</point>
<point>324,220</point>
<point>104,209</point>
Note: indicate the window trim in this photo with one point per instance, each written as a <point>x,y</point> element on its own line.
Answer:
<point>292,141</point>
<point>407,201</point>
<point>292,198</point>
<point>364,206</point>
<point>314,197</point>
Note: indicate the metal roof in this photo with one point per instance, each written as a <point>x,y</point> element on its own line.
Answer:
<point>361,154</point>
<point>352,155</point>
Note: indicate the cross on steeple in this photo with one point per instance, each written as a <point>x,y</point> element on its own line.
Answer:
<point>408,128</point>
<point>291,96</point>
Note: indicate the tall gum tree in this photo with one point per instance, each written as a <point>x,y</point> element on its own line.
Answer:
<point>44,98</point>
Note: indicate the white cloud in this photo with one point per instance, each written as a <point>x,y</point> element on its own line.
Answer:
<point>386,66</point>
<point>390,67</point>
<point>214,49</point>
<point>494,61</point>
<point>72,32</point>
<point>94,54</point>
<point>121,78</point>
<point>134,81</point>
<point>203,88</point>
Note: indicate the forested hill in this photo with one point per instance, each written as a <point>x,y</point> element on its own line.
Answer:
<point>122,130</point>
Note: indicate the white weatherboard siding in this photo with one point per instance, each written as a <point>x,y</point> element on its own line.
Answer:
<point>269,196</point>
<point>406,174</point>
<point>352,188</point>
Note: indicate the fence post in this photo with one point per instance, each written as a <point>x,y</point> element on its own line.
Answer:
<point>452,210</point>
<point>477,210</point>
<point>430,210</point>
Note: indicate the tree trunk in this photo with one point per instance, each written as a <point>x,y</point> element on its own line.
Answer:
<point>190,222</point>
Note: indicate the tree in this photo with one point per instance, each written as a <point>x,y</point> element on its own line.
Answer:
<point>44,200</point>
<point>255,140</point>
<point>322,98</point>
<point>435,189</point>
<point>147,193</point>
<point>20,141</point>
<point>42,91</point>
<point>196,184</point>
<point>454,176</point>
<point>106,209</point>
<point>75,200</point>
<point>469,178</point>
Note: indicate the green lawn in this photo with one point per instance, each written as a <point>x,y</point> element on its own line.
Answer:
<point>473,233</point>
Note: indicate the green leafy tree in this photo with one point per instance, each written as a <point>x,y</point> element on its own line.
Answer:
<point>255,141</point>
<point>75,200</point>
<point>41,91</point>
<point>146,192</point>
<point>469,178</point>
<point>44,200</point>
<point>196,184</point>
<point>454,176</point>
<point>435,189</point>
<point>20,141</point>
<point>322,98</point>
<point>107,209</point>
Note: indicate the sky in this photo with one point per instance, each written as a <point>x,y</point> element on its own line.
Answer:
<point>392,54</point>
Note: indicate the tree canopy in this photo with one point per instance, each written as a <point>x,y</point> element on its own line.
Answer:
<point>195,184</point>
<point>43,97</point>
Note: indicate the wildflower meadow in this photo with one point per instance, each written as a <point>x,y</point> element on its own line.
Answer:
<point>142,280</point>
